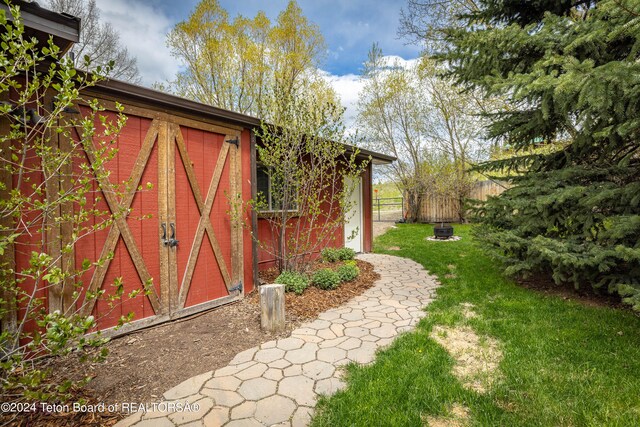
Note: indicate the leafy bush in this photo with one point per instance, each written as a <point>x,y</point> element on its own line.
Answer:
<point>330,254</point>
<point>345,254</point>
<point>348,272</point>
<point>326,279</point>
<point>335,254</point>
<point>31,333</point>
<point>293,281</point>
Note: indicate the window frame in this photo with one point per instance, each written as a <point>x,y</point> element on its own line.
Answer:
<point>269,210</point>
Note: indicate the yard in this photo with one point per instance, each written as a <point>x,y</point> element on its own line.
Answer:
<point>563,359</point>
<point>203,342</point>
<point>161,210</point>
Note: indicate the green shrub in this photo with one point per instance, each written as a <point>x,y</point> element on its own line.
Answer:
<point>330,255</point>
<point>293,281</point>
<point>335,254</point>
<point>348,272</point>
<point>345,254</point>
<point>326,279</point>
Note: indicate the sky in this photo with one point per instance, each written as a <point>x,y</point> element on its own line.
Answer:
<point>349,27</point>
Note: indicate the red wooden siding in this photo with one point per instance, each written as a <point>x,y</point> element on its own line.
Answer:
<point>266,259</point>
<point>28,242</point>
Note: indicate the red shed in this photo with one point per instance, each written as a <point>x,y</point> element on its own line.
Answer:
<point>188,155</point>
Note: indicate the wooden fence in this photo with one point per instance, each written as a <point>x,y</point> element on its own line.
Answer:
<point>483,189</point>
<point>447,209</point>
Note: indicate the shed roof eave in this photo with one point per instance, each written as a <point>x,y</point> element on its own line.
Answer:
<point>376,158</point>
<point>47,22</point>
<point>130,91</point>
<point>124,90</point>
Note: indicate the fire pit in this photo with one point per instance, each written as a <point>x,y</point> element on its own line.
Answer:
<point>443,231</point>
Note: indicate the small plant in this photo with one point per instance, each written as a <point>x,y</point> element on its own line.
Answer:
<point>326,279</point>
<point>293,281</point>
<point>330,254</point>
<point>35,328</point>
<point>337,254</point>
<point>345,254</point>
<point>348,272</point>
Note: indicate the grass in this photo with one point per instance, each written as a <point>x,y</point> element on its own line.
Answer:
<point>564,363</point>
<point>386,189</point>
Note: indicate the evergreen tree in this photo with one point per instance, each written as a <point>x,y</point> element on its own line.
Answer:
<point>571,71</point>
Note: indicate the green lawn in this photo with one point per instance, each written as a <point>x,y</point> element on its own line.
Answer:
<point>564,363</point>
<point>386,189</point>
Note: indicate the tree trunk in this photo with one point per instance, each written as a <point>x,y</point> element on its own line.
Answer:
<point>414,200</point>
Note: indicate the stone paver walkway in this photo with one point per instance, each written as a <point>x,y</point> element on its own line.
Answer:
<point>278,382</point>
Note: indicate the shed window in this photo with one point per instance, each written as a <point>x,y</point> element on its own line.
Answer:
<point>269,201</point>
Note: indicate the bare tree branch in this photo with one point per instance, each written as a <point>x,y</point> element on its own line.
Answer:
<point>99,41</point>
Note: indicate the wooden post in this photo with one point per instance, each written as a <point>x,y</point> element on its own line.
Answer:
<point>164,216</point>
<point>67,250</point>
<point>254,212</point>
<point>272,307</point>
<point>235,188</point>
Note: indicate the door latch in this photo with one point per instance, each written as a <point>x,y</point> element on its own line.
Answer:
<point>172,241</point>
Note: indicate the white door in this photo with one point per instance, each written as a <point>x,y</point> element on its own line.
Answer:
<point>353,220</point>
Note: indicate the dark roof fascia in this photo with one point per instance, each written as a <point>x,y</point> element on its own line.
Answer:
<point>33,16</point>
<point>377,158</point>
<point>123,90</point>
<point>154,98</point>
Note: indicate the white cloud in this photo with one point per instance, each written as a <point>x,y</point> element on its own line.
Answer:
<point>348,87</point>
<point>395,60</point>
<point>142,31</point>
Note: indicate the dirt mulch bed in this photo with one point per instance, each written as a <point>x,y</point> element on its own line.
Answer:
<point>56,417</point>
<point>584,295</point>
<point>143,365</point>
<point>314,301</point>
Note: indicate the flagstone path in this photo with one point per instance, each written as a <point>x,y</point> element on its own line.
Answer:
<point>278,383</point>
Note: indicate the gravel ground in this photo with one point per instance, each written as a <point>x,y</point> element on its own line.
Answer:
<point>387,220</point>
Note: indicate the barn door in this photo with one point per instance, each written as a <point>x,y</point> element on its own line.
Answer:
<point>128,249</point>
<point>202,265</point>
<point>188,253</point>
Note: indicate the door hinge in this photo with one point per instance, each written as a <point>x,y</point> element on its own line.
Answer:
<point>235,141</point>
<point>237,287</point>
